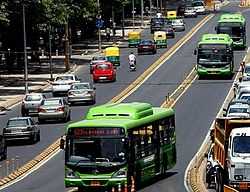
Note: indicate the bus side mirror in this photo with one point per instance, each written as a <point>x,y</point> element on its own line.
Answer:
<point>62,143</point>
<point>195,52</point>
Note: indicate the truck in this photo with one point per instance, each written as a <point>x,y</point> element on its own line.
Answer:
<point>228,160</point>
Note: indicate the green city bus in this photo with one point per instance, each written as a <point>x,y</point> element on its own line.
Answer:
<point>235,26</point>
<point>215,55</point>
<point>119,146</point>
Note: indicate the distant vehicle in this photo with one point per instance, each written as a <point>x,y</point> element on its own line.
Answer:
<point>156,24</point>
<point>168,28</point>
<point>190,12</point>
<point>21,128</point>
<point>246,72</point>
<point>31,103</point>
<point>146,46</point>
<point>238,108</point>
<point>178,25</point>
<point>243,95</point>
<point>235,26</point>
<point>96,59</point>
<point>81,92</point>
<point>104,72</point>
<point>105,146</point>
<point>3,148</point>
<point>62,83</point>
<point>215,55</point>
<point>199,7</point>
<point>54,109</point>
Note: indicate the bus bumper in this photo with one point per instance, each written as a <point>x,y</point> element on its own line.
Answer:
<point>218,72</point>
<point>97,184</point>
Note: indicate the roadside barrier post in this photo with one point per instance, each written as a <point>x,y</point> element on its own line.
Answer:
<point>13,164</point>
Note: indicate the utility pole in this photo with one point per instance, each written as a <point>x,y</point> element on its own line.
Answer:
<point>50,55</point>
<point>99,28</point>
<point>123,17</point>
<point>142,13</point>
<point>25,51</point>
<point>157,6</point>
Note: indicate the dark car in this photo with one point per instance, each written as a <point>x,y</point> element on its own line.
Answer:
<point>21,128</point>
<point>168,28</point>
<point>146,46</point>
<point>156,24</point>
<point>3,148</point>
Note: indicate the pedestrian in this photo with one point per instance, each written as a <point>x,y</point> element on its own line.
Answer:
<point>108,32</point>
<point>242,67</point>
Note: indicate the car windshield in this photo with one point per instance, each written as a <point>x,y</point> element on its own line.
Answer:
<point>81,86</point>
<point>98,149</point>
<point>245,97</point>
<point>103,66</point>
<point>52,102</point>
<point>17,123</point>
<point>247,69</point>
<point>177,22</point>
<point>146,42</point>
<point>196,4</point>
<point>98,58</point>
<point>241,144</point>
<point>33,97</point>
<point>64,78</point>
<point>189,9</point>
<point>238,110</point>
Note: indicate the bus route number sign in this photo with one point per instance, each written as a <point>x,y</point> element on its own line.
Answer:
<point>88,132</point>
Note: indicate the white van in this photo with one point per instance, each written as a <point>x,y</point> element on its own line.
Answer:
<point>199,6</point>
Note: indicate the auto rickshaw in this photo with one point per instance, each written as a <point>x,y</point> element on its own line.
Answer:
<point>113,55</point>
<point>160,38</point>
<point>134,38</point>
<point>171,14</point>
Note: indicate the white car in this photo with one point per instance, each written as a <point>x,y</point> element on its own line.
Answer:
<point>246,72</point>
<point>239,109</point>
<point>178,25</point>
<point>190,12</point>
<point>62,83</point>
<point>199,7</point>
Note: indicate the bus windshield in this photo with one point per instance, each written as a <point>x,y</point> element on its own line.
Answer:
<point>110,150</point>
<point>213,56</point>
<point>241,144</point>
<point>232,29</point>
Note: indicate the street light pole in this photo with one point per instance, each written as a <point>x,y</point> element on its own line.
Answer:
<point>142,12</point>
<point>50,56</point>
<point>133,13</point>
<point>25,51</point>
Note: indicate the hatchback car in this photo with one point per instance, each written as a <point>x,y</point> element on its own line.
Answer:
<point>178,25</point>
<point>104,72</point>
<point>240,109</point>
<point>95,60</point>
<point>21,128</point>
<point>31,102</point>
<point>146,46</point>
<point>168,28</point>
<point>3,148</point>
<point>54,109</point>
<point>62,83</point>
<point>190,12</point>
<point>81,92</point>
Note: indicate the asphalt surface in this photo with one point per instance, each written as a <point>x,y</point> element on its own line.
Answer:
<point>194,113</point>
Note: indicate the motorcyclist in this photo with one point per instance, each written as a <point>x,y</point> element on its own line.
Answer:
<point>132,59</point>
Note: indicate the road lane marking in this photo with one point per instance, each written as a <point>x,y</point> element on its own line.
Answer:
<point>123,95</point>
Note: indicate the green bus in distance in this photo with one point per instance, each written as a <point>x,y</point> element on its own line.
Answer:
<point>119,146</point>
<point>215,55</point>
<point>234,25</point>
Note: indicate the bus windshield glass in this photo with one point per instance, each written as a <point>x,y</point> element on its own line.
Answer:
<point>241,144</point>
<point>213,55</point>
<point>110,150</point>
<point>232,29</point>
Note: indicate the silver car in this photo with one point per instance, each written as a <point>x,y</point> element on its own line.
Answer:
<point>31,102</point>
<point>62,83</point>
<point>95,60</point>
<point>54,109</point>
<point>178,25</point>
<point>81,92</point>
<point>21,128</point>
<point>190,12</point>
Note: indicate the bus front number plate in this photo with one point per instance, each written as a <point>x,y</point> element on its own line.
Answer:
<point>95,183</point>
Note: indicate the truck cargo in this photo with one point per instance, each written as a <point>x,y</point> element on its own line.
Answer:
<point>228,161</point>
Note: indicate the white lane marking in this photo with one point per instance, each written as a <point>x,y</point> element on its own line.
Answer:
<point>187,186</point>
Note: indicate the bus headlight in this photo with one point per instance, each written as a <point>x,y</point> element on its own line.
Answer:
<point>120,173</point>
<point>71,174</point>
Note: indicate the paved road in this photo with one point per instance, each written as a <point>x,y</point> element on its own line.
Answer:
<point>192,125</point>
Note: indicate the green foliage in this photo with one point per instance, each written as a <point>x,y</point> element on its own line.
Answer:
<point>4,13</point>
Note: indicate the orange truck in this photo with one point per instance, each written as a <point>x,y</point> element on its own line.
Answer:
<point>228,160</point>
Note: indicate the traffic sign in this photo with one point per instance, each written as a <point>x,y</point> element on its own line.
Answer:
<point>99,23</point>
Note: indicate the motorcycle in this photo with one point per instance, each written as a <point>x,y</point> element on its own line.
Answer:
<point>132,65</point>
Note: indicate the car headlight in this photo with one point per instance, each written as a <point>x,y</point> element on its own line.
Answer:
<point>238,177</point>
<point>120,173</point>
<point>69,173</point>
